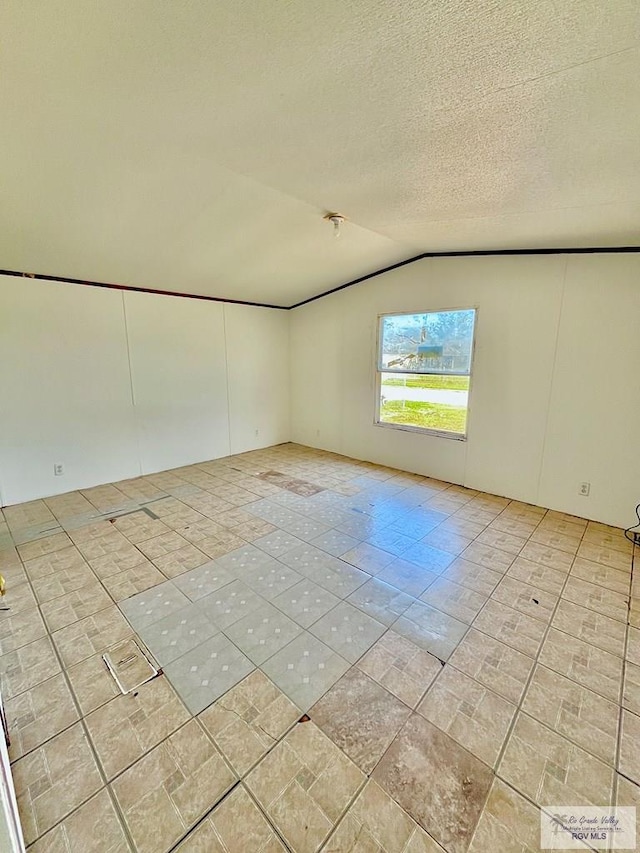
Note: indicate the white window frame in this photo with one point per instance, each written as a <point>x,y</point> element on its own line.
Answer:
<point>455,436</point>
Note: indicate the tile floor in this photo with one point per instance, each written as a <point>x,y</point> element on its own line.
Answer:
<point>352,658</point>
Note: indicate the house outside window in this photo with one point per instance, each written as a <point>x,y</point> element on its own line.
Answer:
<point>424,371</point>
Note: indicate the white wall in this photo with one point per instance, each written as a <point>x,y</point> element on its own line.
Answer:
<point>179,378</point>
<point>555,391</point>
<point>115,384</point>
<point>259,380</point>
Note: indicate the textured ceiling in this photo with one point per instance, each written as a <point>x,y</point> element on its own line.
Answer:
<point>194,146</point>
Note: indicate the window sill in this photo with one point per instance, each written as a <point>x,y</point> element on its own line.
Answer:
<point>452,436</point>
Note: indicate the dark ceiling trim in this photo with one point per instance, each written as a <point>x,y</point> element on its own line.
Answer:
<point>472,254</point>
<point>475,253</point>
<point>42,277</point>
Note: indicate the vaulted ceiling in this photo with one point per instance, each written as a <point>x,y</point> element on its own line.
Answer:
<point>195,146</point>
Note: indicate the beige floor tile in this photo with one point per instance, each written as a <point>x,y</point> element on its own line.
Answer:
<point>607,538</point>
<point>248,720</point>
<point>27,666</point>
<point>558,525</point>
<point>92,684</point>
<point>38,714</point>
<point>159,546</point>
<point>129,725</point>
<point>595,597</point>
<point>20,629</point>
<point>456,600</point>
<point>93,828</point>
<point>447,540</point>
<point>535,574</point>
<point>167,791</point>
<point>198,531</point>
<point>235,826</point>
<point>221,544</point>
<point>473,576</point>
<point>9,558</point>
<point>471,513</point>
<point>53,780</point>
<point>140,529</point>
<point>631,693</point>
<point>134,580</point>
<point>360,717</point>
<point>178,562</point>
<point>606,556</point>
<point>514,526</point>
<point>51,563</point>
<point>629,761</point>
<point>488,557</point>
<point>92,634</point>
<point>612,580</point>
<point>62,582</point>
<point>253,529</point>
<point>590,626</point>
<point>586,664</point>
<point>376,823</point>
<point>180,520</point>
<point>477,718</point>
<point>501,539</point>
<point>401,667</point>
<point>46,545</point>
<point>76,605</point>
<point>19,598</point>
<point>554,558</point>
<point>554,539</point>
<point>551,770</point>
<point>565,516</point>
<point>633,645</point>
<point>234,517</point>
<point>508,823</point>
<point>494,664</point>
<point>628,794</point>
<point>440,784</point>
<point>304,785</point>
<point>528,599</point>
<point>461,527</point>
<point>106,543</point>
<point>512,627</point>
<point>12,572</point>
<point>92,530</point>
<point>117,561</point>
<point>574,712</point>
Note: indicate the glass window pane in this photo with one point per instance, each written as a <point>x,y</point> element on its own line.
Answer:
<point>425,401</point>
<point>434,342</point>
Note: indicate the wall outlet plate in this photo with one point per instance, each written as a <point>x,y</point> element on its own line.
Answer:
<point>584,489</point>
<point>58,469</point>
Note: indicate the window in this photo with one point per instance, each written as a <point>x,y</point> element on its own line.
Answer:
<point>424,370</point>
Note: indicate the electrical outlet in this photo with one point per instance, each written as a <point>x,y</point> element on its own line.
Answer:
<point>257,433</point>
<point>58,469</point>
<point>584,489</point>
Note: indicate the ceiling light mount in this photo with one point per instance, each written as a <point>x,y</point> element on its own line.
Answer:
<point>337,219</point>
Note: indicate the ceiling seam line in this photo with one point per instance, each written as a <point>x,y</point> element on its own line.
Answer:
<point>481,253</point>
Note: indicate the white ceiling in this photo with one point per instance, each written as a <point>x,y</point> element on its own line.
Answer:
<point>195,146</point>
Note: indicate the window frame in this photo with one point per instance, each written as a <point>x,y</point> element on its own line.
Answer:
<point>437,433</point>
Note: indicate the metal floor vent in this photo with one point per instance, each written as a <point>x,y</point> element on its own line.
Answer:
<point>129,666</point>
